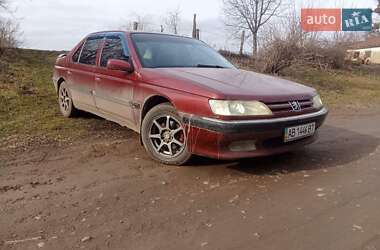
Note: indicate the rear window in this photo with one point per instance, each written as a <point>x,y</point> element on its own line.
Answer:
<point>89,51</point>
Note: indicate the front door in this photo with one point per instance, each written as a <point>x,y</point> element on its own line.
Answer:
<point>114,89</point>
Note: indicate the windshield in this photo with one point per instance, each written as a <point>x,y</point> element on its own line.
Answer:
<point>165,51</point>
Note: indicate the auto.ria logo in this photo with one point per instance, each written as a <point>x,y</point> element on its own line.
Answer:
<point>336,19</point>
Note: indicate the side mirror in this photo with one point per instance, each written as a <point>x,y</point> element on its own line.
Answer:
<point>120,65</point>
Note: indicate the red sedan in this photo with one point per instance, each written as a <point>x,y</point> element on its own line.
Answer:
<point>184,98</point>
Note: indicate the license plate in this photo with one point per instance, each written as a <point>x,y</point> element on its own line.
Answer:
<point>298,132</point>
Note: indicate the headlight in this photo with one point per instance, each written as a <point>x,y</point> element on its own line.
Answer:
<point>239,108</point>
<point>317,102</point>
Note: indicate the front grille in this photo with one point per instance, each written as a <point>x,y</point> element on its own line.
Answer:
<point>278,107</point>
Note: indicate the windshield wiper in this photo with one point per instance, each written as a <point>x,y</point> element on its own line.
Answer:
<point>210,66</point>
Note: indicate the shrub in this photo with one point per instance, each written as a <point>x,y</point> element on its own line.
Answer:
<point>8,35</point>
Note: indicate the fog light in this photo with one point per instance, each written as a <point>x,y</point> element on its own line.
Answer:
<point>240,146</point>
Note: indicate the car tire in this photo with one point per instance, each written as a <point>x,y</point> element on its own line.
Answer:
<point>164,136</point>
<point>65,101</point>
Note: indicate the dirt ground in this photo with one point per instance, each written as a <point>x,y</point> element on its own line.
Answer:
<point>105,193</point>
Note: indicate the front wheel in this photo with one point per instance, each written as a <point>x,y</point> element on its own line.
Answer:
<point>164,136</point>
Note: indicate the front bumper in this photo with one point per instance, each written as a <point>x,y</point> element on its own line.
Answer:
<point>213,138</point>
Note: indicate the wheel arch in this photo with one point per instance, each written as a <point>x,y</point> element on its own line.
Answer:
<point>151,102</point>
<point>59,82</point>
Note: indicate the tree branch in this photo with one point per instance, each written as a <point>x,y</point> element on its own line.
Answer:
<point>251,15</point>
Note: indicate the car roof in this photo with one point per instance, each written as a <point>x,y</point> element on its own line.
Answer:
<point>104,33</point>
<point>114,32</point>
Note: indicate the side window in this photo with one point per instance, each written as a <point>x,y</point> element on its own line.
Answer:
<point>77,54</point>
<point>113,49</point>
<point>89,51</point>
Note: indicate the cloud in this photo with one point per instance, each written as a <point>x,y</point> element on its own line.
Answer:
<point>60,24</point>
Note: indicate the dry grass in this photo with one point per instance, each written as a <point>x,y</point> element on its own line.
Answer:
<point>28,102</point>
<point>355,86</point>
<point>358,87</point>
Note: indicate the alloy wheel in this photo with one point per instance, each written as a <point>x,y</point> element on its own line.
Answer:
<point>64,100</point>
<point>167,136</point>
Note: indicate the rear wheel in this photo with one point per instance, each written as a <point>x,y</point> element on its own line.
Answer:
<point>164,137</point>
<point>65,101</point>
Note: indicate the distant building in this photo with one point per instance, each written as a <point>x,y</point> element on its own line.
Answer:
<point>366,52</point>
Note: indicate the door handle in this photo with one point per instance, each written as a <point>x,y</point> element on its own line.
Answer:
<point>97,79</point>
<point>69,72</point>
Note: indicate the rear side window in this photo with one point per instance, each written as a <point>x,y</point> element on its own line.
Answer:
<point>88,55</point>
<point>113,49</point>
<point>77,54</point>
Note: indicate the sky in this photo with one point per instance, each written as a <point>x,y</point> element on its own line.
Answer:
<point>60,24</point>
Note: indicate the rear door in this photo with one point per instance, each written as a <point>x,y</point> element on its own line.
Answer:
<point>114,89</point>
<point>81,75</point>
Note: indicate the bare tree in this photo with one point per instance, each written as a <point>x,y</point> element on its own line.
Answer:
<point>376,25</point>
<point>8,34</point>
<point>3,4</point>
<point>377,10</point>
<point>173,19</point>
<point>250,15</point>
<point>9,30</point>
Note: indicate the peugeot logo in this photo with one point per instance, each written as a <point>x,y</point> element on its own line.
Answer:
<point>295,105</point>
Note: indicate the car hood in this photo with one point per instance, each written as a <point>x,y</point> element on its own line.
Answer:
<point>231,84</point>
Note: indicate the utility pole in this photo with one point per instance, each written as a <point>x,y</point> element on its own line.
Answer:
<point>135,26</point>
<point>198,34</point>
<point>242,39</point>
<point>194,26</point>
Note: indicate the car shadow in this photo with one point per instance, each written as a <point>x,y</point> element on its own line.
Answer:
<point>99,125</point>
<point>86,115</point>
<point>335,147</point>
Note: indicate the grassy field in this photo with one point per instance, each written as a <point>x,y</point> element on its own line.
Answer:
<point>358,87</point>
<point>29,110</point>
